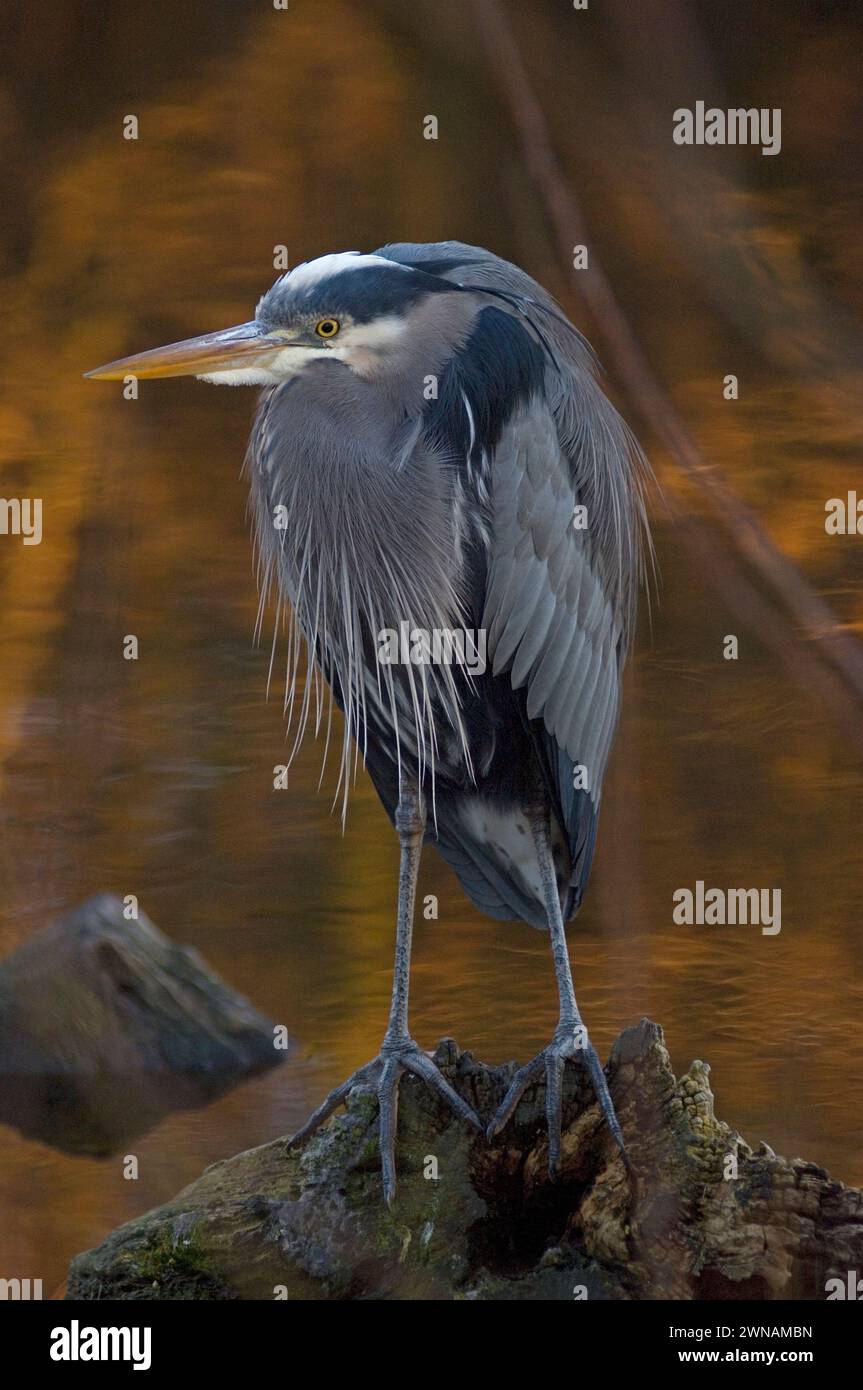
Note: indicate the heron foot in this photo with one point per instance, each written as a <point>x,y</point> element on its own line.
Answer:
<point>570,1043</point>
<point>384,1074</point>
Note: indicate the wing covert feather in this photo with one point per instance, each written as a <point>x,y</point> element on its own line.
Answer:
<point>548,619</point>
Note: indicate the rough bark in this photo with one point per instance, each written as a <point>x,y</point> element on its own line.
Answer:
<point>106,1026</point>
<point>490,1225</point>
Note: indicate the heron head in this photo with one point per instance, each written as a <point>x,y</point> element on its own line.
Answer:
<point>363,311</point>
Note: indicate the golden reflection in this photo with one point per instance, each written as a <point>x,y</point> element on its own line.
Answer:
<point>155,777</point>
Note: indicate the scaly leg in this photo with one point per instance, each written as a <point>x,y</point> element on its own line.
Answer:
<point>570,1039</point>
<point>399,1053</point>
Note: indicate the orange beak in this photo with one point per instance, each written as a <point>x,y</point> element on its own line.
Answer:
<point>233,349</point>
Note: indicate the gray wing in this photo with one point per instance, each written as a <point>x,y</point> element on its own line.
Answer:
<point>550,620</point>
<point>560,603</point>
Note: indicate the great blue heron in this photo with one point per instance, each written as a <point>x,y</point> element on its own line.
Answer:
<point>431,455</point>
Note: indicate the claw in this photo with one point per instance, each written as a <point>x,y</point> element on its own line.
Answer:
<point>386,1072</point>
<point>564,1047</point>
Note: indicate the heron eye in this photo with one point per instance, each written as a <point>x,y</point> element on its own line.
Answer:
<point>327,328</point>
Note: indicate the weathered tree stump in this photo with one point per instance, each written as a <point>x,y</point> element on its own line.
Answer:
<point>106,1026</point>
<point>479,1221</point>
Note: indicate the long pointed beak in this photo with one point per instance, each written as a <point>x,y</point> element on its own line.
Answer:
<point>232,349</point>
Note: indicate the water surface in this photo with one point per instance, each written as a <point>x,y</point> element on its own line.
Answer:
<point>155,777</point>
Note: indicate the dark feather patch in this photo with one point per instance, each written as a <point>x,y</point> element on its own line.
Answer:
<point>499,368</point>
<point>361,295</point>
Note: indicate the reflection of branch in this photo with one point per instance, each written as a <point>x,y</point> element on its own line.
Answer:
<point>729,579</point>
<point>808,610</point>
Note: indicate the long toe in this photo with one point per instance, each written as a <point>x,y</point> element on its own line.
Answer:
<point>603,1095</point>
<point>551,1062</point>
<point>336,1097</point>
<point>388,1100</point>
<point>554,1065</point>
<point>524,1077</point>
<point>424,1067</point>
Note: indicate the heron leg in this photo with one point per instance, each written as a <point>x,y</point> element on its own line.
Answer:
<point>399,1053</point>
<point>570,1041</point>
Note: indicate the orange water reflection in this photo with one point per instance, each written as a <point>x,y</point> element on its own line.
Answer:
<point>155,777</point>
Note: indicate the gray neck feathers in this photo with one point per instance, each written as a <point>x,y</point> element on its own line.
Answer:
<point>357,529</point>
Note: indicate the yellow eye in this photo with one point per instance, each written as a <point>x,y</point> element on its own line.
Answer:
<point>327,328</point>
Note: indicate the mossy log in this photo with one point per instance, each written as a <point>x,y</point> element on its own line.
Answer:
<point>473,1220</point>
<point>106,1026</point>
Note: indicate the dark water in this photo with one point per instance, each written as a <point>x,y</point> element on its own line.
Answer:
<point>155,777</point>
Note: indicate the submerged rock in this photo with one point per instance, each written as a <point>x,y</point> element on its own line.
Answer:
<point>106,1026</point>
<point>473,1220</point>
